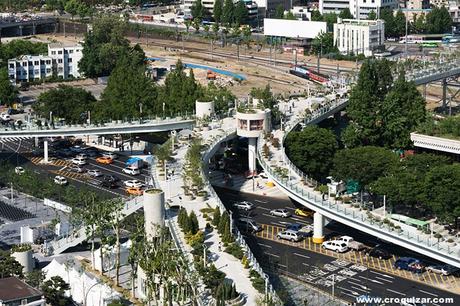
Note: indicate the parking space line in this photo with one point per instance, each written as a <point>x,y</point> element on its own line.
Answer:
<point>436,278</point>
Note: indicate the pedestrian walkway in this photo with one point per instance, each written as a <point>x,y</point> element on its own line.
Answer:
<point>231,266</point>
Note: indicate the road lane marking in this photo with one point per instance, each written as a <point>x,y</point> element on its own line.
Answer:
<point>385,280</point>
<point>365,291</point>
<point>301,255</point>
<point>273,255</point>
<point>265,245</point>
<point>259,201</point>
<point>371,280</point>
<point>384,275</point>
<point>305,264</point>
<point>428,292</point>
<point>264,208</point>
<point>281,265</point>
<point>394,291</point>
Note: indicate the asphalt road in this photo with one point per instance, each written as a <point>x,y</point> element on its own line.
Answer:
<point>23,146</point>
<point>350,280</point>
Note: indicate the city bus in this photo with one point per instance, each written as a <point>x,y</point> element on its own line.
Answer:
<point>451,39</point>
<point>421,38</point>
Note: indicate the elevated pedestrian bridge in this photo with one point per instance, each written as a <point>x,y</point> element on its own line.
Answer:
<point>294,183</point>
<point>435,72</point>
<point>106,128</point>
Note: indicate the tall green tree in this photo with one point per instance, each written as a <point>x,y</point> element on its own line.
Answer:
<point>364,164</point>
<point>54,291</point>
<point>128,91</point>
<point>386,14</point>
<point>330,19</point>
<point>197,10</point>
<point>400,23</point>
<point>312,150</point>
<point>8,93</point>
<point>9,266</point>
<point>439,21</point>
<point>345,14</point>
<point>72,7</point>
<point>403,110</point>
<point>70,103</point>
<point>241,13</point>
<point>372,15</point>
<point>228,12</point>
<point>323,44</point>
<point>218,10</point>
<point>316,16</point>
<point>279,12</point>
<point>419,24</point>
<point>365,102</point>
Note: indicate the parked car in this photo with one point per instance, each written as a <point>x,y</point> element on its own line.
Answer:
<point>304,212</point>
<point>133,183</point>
<point>409,264</point>
<point>134,191</point>
<point>110,155</point>
<point>79,161</point>
<point>81,155</point>
<point>77,169</point>
<point>249,225</point>
<point>94,173</point>
<point>351,243</point>
<point>131,171</point>
<point>104,160</point>
<point>19,170</point>
<point>334,245</point>
<point>244,205</point>
<point>443,269</point>
<point>289,235</point>
<point>60,180</point>
<point>280,212</point>
<point>378,252</point>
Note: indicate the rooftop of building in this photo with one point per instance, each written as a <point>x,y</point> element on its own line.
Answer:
<point>29,57</point>
<point>359,22</point>
<point>12,288</point>
<point>59,45</point>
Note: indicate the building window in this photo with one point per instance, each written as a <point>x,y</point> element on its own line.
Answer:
<point>70,60</point>
<point>53,52</point>
<point>30,63</point>
<point>48,70</point>
<point>11,65</point>
<point>256,125</point>
<point>70,51</point>
<point>48,62</point>
<point>36,71</point>
<point>242,124</point>
<point>60,61</point>
<point>36,63</point>
<point>60,52</point>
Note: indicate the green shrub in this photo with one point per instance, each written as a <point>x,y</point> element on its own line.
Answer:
<point>235,250</point>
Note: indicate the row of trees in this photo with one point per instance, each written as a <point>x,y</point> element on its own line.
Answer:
<point>224,12</point>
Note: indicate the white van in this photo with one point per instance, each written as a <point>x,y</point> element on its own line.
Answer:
<point>336,246</point>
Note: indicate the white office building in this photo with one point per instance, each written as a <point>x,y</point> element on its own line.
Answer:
<point>359,36</point>
<point>61,61</point>
<point>360,9</point>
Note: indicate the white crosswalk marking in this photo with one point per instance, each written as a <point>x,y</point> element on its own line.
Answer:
<point>14,139</point>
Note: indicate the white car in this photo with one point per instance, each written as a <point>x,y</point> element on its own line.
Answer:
<point>280,212</point>
<point>77,169</point>
<point>79,161</point>
<point>131,171</point>
<point>289,235</point>
<point>133,183</point>
<point>244,205</point>
<point>82,155</point>
<point>334,245</point>
<point>60,180</point>
<point>19,170</point>
<point>110,155</point>
<point>94,173</point>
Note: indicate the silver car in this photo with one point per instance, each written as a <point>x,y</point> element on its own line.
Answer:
<point>290,235</point>
<point>244,205</point>
<point>280,212</point>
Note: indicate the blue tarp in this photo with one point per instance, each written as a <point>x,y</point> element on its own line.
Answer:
<point>132,160</point>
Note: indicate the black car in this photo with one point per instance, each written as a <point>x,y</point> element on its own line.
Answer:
<point>111,178</point>
<point>109,184</point>
<point>379,253</point>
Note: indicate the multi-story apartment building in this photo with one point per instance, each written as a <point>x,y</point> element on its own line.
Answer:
<point>61,61</point>
<point>360,9</point>
<point>359,36</point>
<point>209,7</point>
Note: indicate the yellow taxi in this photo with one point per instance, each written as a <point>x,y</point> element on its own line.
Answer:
<point>304,212</point>
<point>134,191</point>
<point>104,160</point>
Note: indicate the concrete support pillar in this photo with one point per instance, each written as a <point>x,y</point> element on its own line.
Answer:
<point>444,95</point>
<point>154,212</point>
<point>20,30</point>
<point>252,150</point>
<point>36,142</point>
<point>34,29</point>
<point>337,117</point>
<point>45,151</point>
<point>318,224</point>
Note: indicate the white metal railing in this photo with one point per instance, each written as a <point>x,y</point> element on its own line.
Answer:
<point>353,215</point>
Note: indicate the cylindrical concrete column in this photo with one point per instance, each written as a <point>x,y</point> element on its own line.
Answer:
<point>252,147</point>
<point>154,212</point>
<point>318,224</point>
<point>25,259</point>
<point>45,151</point>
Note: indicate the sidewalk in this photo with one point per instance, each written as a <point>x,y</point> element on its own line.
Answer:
<point>223,261</point>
